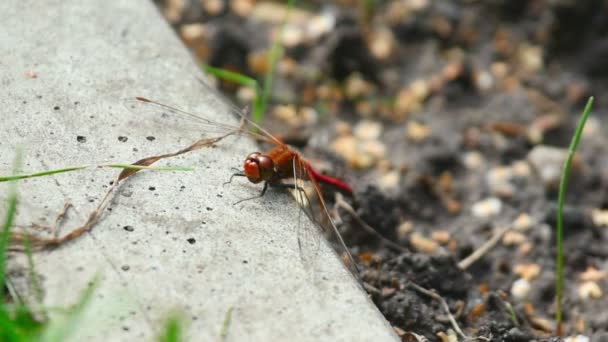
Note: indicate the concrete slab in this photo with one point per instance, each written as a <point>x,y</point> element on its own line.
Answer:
<point>65,65</point>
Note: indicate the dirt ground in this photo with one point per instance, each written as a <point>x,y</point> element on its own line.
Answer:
<point>451,120</point>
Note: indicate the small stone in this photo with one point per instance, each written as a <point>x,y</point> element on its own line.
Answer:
<point>417,132</point>
<point>404,229</point>
<point>522,222</point>
<point>499,69</point>
<point>356,87</point>
<point>548,162</point>
<point>245,94</point>
<point>531,57</point>
<point>382,43</point>
<point>487,208</point>
<point>346,147</point>
<point>390,180</point>
<point>498,177</point>
<point>527,271</point>
<point>420,89</point>
<point>521,169</point>
<point>242,8</point>
<point>423,244</point>
<point>368,130</point>
<point>577,338</point>
<point>343,128</point>
<point>484,81</point>
<point>512,238</point>
<point>599,217</point>
<point>258,62</point>
<point>213,7</point>
<point>473,160</point>
<point>441,236</point>
<point>292,36</point>
<point>286,113</point>
<point>374,148</point>
<point>520,289</point>
<point>525,248</point>
<point>589,289</point>
<point>592,274</point>
<point>320,24</point>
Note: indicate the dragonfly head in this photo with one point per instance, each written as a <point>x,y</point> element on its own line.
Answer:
<point>259,167</point>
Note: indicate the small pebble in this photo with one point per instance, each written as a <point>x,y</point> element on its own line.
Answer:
<point>592,274</point>
<point>599,217</point>
<point>522,222</point>
<point>441,236</point>
<point>382,43</point>
<point>242,8</point>
<point>390,180</point>
<point>368,130</point>
<point>356,87</point>
<point>487,208</point>
<point>374,148</point>
<point>417,132</point>
<point>577,338</point>
<point>512,238</point>
<point>589,289</point>
<point>484,81</point>
<point>473,160</point>
<point>520,289</point>
<point>548,162</point>
<point>404,229</point>
<point>527,271</point>
<point>531,57</point>
<point>423,244</point>
<point>521,169</point>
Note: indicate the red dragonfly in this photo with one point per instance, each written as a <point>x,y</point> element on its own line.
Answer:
<point>273,168</point>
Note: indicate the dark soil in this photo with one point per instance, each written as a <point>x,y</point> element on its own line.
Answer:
<point>474,97</point>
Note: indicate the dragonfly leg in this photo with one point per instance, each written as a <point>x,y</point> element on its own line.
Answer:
<point>254,197</point>
<point>238,173</point>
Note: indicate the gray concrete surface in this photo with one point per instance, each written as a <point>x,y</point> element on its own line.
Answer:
<point>87,56</point>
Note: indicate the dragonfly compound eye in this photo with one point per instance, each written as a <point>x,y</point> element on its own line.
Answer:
<point>258,167</point>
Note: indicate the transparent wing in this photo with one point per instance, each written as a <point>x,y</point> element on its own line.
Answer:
<point>164,114</point>
<point>308,236</point>
<point>313,205</point>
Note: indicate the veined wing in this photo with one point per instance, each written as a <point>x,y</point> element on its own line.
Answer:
<point>163,113</point>
<point>308,241</point>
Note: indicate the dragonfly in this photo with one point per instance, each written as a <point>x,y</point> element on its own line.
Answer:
<point>280,167</point>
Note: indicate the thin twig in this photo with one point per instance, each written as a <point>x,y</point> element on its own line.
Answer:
<point>481,251</point>
<point>445,306</point>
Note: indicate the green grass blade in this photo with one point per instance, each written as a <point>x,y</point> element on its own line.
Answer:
<point>231,76</point>
<point>9,220</point>
<point>41,174</point>
<point>173,331</point>
<point>559,285</point>
<point>226,324</point>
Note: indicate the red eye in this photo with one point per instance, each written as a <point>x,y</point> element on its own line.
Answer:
<point>258,167</point>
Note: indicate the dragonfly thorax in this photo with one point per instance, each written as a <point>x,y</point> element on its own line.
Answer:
<point>259,167</point>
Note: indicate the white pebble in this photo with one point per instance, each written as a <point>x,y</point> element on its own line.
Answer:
<point>577,338</point>
<point>487,208</point>
<point>589,289</point>
<point>520,289</point>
